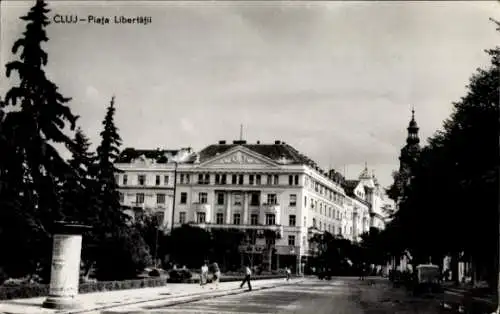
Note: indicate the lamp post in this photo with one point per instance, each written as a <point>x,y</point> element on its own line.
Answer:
<point>173,198</point>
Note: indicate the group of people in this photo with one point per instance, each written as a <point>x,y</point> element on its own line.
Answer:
<point>204,274</point>
<point>216,275</point>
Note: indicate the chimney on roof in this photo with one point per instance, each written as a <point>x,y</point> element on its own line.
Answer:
<point>277,142</point>
<point>239,142</point>
<point>222,142</point>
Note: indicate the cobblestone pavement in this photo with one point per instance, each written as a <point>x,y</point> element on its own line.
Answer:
<point>340,295</point>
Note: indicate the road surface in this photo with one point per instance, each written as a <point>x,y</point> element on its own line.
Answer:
<point>339,295</point>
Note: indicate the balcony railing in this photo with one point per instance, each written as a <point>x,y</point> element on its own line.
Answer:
<point>201,207</point>
<point>271,208</point>
<point>277,228</point>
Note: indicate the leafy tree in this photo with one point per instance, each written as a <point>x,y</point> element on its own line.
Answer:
<point>451,204</point>
<point>123,256</point>
<point>32,169</point>
<point>225,247</point>
<point>189,246</point>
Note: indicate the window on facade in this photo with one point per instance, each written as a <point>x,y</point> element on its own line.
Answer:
<point>270,219</point>
<point>237,199</point>
<point>220,198</point>
<point>182,217</point>
<point>165,180</point>
<point>269,179</point>
<point>139,198</point>
<point>158,180</point>
<point>223,179</point>
<point>233,179</point>
<point>321,209</point>
<point>122,197</point>
<point>182,178</point>
<point>141,179</point>
<point>254,199</point>
<point>201,218</point>
<point>117,178</point>
<point>296,179</point>
<point>305,221</point>
<point>202,197</point>
<point>200,179</point>
<point>339,231</point>
<point>217,179</point>
<point>276,179</point>
<point>240,179</point>
<point>250,179</point>
<point>257,179</point>
<point>187,178</point>
<point>329,212</point>
<point>293,200</point>
<point>290,180</point>
<point>291,220</point>
<point>184,197</point>
<point>236,219</point>
<point>219,218</point>
<point>160,198</point>
<point>305,201</point>
<point>272,199</point>
<point>207,179</point>
<point>125,179</point>
<point>291,240</point>
<point>320,225</point>
<point>254,219</point>
<point>314,222</point>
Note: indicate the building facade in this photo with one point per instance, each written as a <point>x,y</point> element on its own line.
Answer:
<point>274,194</point>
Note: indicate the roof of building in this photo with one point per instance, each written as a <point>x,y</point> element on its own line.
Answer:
<point>279,152</point>
<point>160,156</point>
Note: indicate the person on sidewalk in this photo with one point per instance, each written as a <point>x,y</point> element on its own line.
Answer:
<point>248,273</point>
<point>216,275</point>
<point>204,275</point>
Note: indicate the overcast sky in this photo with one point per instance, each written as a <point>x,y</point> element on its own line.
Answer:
<point>336,80</point>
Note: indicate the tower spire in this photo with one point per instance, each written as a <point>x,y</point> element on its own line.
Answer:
<point>412,138</point>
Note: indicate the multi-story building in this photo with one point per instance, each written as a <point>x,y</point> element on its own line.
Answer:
<point>279,197</point>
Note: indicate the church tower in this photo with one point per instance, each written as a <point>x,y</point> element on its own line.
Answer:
<point>410,152</point>
<point>407,159</point>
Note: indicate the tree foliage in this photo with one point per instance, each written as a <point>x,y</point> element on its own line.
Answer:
<point>451,204</point>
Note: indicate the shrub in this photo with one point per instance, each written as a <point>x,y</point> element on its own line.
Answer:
<point>179,275</point>
<point>154,273</point>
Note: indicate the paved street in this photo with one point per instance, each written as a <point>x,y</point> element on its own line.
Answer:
<point>340,295</point>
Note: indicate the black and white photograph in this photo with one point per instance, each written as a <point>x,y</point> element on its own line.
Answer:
<point>249,157</point>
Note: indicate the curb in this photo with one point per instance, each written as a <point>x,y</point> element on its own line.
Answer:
<point>175,300</point>
<point>474,298</point>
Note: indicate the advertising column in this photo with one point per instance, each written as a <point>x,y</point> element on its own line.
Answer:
<point>65,270</point>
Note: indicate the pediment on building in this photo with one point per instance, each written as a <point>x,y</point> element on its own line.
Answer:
<point>239,157</point>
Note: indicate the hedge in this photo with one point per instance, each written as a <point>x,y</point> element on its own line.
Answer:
<point>39,290</point>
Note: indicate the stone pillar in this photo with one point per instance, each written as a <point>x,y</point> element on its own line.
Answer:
<point>65,271</point>
<point>228,207</point>
<point>246,200</point>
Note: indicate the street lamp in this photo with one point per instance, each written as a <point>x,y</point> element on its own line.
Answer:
<point>173,198</point>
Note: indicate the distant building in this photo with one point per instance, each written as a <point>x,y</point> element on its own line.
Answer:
<point>279,197</point>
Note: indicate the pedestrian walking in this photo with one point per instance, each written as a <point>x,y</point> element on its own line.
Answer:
<point>216,279</point>
<point>362,271</point>
<point>248,274</point>
<point>204,275</point>
<point>288,273</point>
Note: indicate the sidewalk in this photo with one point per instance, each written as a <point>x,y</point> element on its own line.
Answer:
<point>176,292</point>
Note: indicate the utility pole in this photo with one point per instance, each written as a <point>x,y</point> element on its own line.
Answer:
<point>173,198</point>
